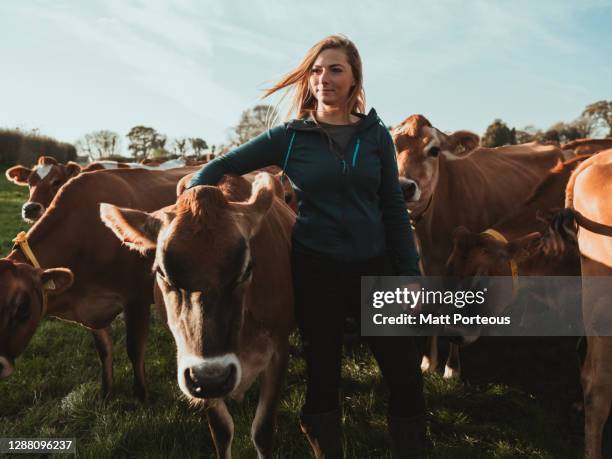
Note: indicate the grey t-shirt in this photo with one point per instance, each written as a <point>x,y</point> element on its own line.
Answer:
<point>340,134</point>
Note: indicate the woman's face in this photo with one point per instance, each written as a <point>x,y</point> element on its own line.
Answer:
<point>331,78</point>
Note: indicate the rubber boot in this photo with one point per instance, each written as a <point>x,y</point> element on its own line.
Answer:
<point>408,440</point>
<point>324,433</point>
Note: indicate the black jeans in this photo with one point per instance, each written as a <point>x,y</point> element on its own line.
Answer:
<point>326,291</point>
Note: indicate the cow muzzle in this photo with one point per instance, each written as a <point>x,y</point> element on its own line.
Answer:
<point>213,377</point>
<point>410,189</point>
<point>32,211</point>
<point>6,368</point>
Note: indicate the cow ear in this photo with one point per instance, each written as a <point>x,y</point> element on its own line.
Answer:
<point>72,169</point>
<point>62,279</point>
<point>135,228</point>
<point>518,248</point>
<point>411,126</point>
<point>182,184</point>
<point>252,213</point>
<point>463,238</point>
<point>18,175</point>
<point>463,142</point>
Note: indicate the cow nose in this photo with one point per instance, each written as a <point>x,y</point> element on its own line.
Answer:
<point>32,210</point>
<point>409,188</point>
<point>210,381</point>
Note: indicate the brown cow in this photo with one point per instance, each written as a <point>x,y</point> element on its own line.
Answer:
<point>513,246</point>
<point>588,197</point>
<point>108,277</point>
<point>46,178</point>
<point>222,259</point>
<point>518,235</point>
<point>588,146</point>
<point>449,182</point>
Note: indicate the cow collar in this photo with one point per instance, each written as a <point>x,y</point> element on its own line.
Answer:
<point>418,218</point>
<point>513,266</point>
<point>22,241</point>
<point>591,225</point>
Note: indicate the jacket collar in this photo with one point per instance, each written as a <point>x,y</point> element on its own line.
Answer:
<point>306,124</point>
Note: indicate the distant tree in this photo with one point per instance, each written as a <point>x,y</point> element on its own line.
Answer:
<point>528,134</point>
<point>180,146</point>
<point>143,140</point>
<point>99,144</point>
<point>498,134</point>
<point>252,122</point>
<point>159,153</point>
<point>198,145</point>
<point>600,114</point>
<point>552,135</point>
<point>570,131</point>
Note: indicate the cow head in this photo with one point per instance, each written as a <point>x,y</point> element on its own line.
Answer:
<point>204,266</point>
<point>44,180</point>
<point>478,254</point>
<point>420,147</point>
<point>21,305</point>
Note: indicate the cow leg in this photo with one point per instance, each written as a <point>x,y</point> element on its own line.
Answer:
<point>137,331</point>
<point>221,427</point>
<point>264,423</point>
<point>429,362</point>
<point>104,347</point>
<point>452,369</point>
<point>597,387</point>
<point>581,350</point>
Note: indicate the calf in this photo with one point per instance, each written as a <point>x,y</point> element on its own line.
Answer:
<point>516,238</point>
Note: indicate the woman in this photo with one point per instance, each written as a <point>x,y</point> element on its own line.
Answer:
<point>351,222</point>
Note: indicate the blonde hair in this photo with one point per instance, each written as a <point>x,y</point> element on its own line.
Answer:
<point>304,102</point>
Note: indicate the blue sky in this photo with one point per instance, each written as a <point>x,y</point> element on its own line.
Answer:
<point>188,68</point>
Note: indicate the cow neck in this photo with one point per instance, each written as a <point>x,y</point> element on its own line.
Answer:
<point>417,219</point>
<point>48,242</point>
<point>459,180</point>
<point>21,242</point>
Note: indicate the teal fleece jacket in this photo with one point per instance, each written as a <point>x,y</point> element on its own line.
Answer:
<point>350,205</point>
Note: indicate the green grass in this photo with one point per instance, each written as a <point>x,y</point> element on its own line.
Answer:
<point>11,199</point>
<point>514,398</point>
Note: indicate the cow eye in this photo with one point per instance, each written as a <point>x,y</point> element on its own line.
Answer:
<point>55,182</point>
<point>22,313</point>
<point>434,151</point>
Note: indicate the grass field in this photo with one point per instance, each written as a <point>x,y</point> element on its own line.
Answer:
<point>513,400</point>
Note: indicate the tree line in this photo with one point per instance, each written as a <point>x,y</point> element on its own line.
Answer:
<point>144,142</point>
<point>595,120</point>
<point>19,147</point>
